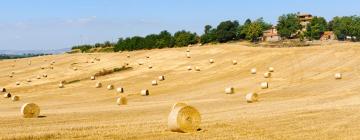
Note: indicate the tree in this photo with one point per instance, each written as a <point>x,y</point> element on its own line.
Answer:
<point>253,30</point>
<point>227,31</point>
<point>165,40</point>
<point>316,28</point>
<point>346,26</point>
<point>288,25</point>
<point>184,38</point>
<point>209,35</point>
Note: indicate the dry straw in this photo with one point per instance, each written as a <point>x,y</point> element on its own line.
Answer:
<point>145,92</point>
<point>30,110</point>
<point>161,78</point>
<point>267,75</point>
<point>15,98</point>
<point>7,95</point>
<point>122,100</point>
<point>229,90</point>
<point>154,82</point>
<point>178,104</point>
<point>251,97</point>
<point>120,90</point>
<point>271,69</point>
<point>264,85</point>
<point>338,76</point>
<point>184,119</point>
<point>234,62</point>
<point>110,87</point>
<point>98,85</point>
<point>253,71</point>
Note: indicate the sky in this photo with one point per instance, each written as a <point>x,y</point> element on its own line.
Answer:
<point>57,24</point>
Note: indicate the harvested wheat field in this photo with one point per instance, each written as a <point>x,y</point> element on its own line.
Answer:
<point>304,100</point>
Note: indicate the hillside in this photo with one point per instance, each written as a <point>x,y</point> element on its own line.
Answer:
<point>304,101</point>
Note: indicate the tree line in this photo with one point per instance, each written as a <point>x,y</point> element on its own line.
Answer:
<point>288,27</point>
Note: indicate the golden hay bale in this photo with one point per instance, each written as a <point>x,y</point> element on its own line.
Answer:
<point>110,87</point>
<point>98,85</point>
<point>178,104</point>
<point>251,97</point>
<point>42,67</point>
<point>7,95</point>
<point>187,50</point>
<point>197,68</point>
<point>150,67</point>
<point>161,78</point>
<point>140,63</point>
<point>75,69</point>
<point>154,82</point>
<point>61,85</point>
<point>189,68</point>
<point>17,83</point>
<point>229,90</point>
<point>264,85</point>
<point>13,65</point>
<point>188,55</point>
<point>12,72</point>
<point>122,100</point>
<point>45,75</point>
<point>271,69</point>
<point>184,119</point>
<point>147,56</point>
<point>145,92</point>
<point>267,75</point>
<point>28,80</point>
<point>15,98</point>
<point>253,71</point>
<point>211,61</point>
<point>128,56</point>
<point>120,90</point>
<point>63,82</point>
<point>92,77</point>
<point>30,110</point>
<point>338,76</point>
<point>38,77</point>
<point>11,76</point>
<point>2,89</point>
<point>234,62</point>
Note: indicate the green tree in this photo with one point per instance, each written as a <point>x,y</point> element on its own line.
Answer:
<point>288,25</point>
<point>227,31</point>
<point>316,28</point>
<point>184,38</point>
<point>253,30</point>
<point>209,35</point>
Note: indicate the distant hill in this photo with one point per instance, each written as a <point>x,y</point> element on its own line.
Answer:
<point>20,52</point>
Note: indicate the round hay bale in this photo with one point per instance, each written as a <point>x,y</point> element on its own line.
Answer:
<point>63,82</point>
<point>251,97</point>
<point>61,85</point>
<point>150,67</point>
<point>178,104</point>
<point>187,50</point>
<point>30,110</point>
<point>38,77</point>
<point>145,92</point>
<point>253,71</point>
<point>122,100</point>
<point>140,63</point>
<point>184,119</point>
<point>75,69</point>
<point>188,55</point>
<point>128,56</point>
<point>12,72</point>
<point>17,83</point>
<point>28,80</point>
<point>154,82</point>
<point>11,76</point>
<point>44,75</point>
<point>338,76</point>
<point>120,90</point>
<point>92,78</point>
<point>271,69</point>
<point>229,90</point>
<point>264,85</point>
<point>189,68</point>
<point>7,95</point>
<point>211,61</point>
<point>15,98</point>
<point>234,62</point>
<point>13,65</point>
<point>267,75</point>
<point>110,87</point>
<point>2,89</point>
<point>161,78</point>
<point>98,85</point>
<point>197,68</point>
<point>147,56</point>
<point>42,67</point>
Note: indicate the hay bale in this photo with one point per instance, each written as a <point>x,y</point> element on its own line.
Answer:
<point>264,85</point>
<point>42,67</point>
<point>128,56</point>
<point>271,69</point>
<point>28,80</point>
<point>229,90</point>
<point>38,77</point>
<point>61,85</point>
<point>154,82</point>
<point>2,89</point>
<point>140,63</point>
<point>7,95</point>
<point>197,68</point>
<point>120,90</point>
<point>251,97</point>
<point>44,75</point>
<point>150,67</point>
<point>147,56</point>
<point>63,82</point>
<point>145,92</point>
<point>188,55</point>
<point>17,83</point>
<point>187,50</point>
<point>12,72</point>
<point>75,69</point>
<point>110,87</point>
<point>253,71</point>
<point>267,75</point>
<point>30,110</point>
<point>161,78</point>
<point>189,68</point>
<point>98,85</point>
<point>92,78</point>
<point>211,61</point>
<point>122,100</point>
<point>184,119</point>
<point>178,104</point>
<point>11,76</point>
<point>338,76</point>
<point>15,98</point>
<point>13,65</point>
<point>234,62</point>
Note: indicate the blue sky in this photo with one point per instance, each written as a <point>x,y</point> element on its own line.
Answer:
<point>54,24</point>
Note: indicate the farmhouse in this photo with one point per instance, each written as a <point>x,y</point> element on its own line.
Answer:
<point>271,35</point>
<point>305,19</point>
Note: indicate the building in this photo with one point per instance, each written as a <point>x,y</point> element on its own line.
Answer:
<point>271,35</point>
<point>328,35</point>
<point>305,19</point>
